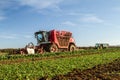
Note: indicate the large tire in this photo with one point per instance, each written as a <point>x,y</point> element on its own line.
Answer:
<point>53,48</point>
<point>72,48</point>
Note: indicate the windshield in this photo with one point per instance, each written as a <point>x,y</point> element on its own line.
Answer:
<point>96,45</point>
<point>39,37</point>
<point>42,37</point>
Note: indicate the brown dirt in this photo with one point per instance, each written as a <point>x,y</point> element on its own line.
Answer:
<point>109,71</point>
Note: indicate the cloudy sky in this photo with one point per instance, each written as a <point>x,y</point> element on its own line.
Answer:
<point>90,21</point>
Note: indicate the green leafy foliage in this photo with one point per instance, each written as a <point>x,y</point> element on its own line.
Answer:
<point>79,52</point>
<point>34,70</point>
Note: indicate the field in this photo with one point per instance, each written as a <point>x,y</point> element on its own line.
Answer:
<point>79,65</point>
<point>109,71</point>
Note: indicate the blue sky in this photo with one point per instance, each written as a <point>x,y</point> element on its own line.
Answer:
<point>90,21</point>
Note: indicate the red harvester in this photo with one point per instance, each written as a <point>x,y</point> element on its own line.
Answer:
<point>51,41</point>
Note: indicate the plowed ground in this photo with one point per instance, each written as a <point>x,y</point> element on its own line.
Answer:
<point>109,71</point>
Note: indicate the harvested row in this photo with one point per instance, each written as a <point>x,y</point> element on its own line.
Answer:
<point>5,56</point>
<point>12,59</point>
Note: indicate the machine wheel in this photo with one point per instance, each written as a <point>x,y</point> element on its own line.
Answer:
<point>39,49</point>
<point>72,47</point>
<point>53,48</point>
<point>23,51</point>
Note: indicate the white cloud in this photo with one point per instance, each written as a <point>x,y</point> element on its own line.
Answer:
<point>74,14</point>
<point>7,37</point>
<point>68,23</point>
<point>38,5</point>
<point>2,18</point>
<point>4,4</point>
<point>28,36</point>
<point>92,19</point>
<point>116,9</point>
<point>41,4</point>
<point>4,35</point>
<point>7,5</point>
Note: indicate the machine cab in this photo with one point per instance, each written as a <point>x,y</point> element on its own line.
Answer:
<point>42,37</point>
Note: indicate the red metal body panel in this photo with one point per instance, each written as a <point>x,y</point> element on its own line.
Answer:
<point>61,38</point>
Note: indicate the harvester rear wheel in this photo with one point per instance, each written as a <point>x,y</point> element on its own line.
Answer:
<point>72,47</point>
<point>53,48</point>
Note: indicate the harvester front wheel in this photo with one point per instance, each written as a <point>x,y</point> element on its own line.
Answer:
<point>53,48</point>
<point>72,47</point>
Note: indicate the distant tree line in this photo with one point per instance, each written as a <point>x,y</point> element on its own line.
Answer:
<point>9,51</point>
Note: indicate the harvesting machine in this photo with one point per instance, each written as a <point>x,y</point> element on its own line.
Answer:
<point>101,45</point>
<point>51,41</point>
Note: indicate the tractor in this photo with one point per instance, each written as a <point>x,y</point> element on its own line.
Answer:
<point>101,45</point>
<point>51,41</point>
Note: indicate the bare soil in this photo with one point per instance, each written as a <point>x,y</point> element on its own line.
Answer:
<point>109,71</point>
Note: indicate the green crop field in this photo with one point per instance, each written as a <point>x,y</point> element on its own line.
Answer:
<point>34,67</point>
